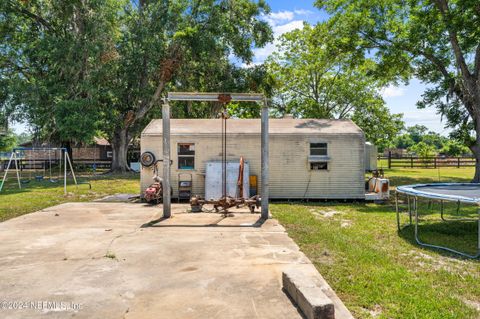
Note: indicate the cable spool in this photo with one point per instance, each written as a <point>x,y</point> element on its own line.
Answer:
<point>147,159</point>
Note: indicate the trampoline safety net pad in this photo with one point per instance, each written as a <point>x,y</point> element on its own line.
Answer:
<point>458,192</point>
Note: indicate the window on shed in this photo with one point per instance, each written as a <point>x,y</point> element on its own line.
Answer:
<point>318,149</point>
<point>186,155</point>
<point>318,158</point>
<point>318,166</point>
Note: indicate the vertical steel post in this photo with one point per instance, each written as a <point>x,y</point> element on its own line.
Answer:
<point>478,243</point>
<point>166,159</point>
<point>6,172</point>
<point>16,169</point>
<point>71,169</point>
<point>397,211</point>
<point>265,155</point>
<point>65,172</point>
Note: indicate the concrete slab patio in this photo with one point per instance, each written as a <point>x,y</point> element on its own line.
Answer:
<point>102,260</point>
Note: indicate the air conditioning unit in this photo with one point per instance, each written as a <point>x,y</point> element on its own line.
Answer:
<point>378,189</point>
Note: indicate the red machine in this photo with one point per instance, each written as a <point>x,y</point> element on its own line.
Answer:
<point>154,193</point>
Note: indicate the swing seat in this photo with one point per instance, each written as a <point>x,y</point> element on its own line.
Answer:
<point>25,181</point>
<point>53,180</point>
<point>39,178</point>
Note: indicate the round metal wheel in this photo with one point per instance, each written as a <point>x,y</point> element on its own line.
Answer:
<point>147,159</point>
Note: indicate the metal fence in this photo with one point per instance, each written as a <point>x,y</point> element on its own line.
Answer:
<point>426,162</point>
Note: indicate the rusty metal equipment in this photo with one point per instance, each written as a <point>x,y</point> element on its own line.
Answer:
<point>225,202</point>
<point>219,98</point>
<point>154,193</point>
<point>222,204</point>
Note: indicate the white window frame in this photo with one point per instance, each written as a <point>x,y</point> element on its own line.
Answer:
<point>183,155</point>
<point>317,159</point>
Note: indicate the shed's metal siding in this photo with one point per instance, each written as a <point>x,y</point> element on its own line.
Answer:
<point>290,174</point>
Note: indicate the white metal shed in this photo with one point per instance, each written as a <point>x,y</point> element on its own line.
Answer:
<point>309,158</point>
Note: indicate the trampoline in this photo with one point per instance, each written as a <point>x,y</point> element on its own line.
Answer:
<point>468,193</point>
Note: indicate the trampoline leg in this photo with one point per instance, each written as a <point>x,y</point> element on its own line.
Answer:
<point>416,219</point>
<point>397,210</point>
<point>477,255</point>
<point>410,211</point>
<point>478,243</point>
<point>441,211</point>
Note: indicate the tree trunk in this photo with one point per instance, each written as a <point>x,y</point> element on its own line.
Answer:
<point>119,142</point>
<point>475,148</point>
<point>68,146</point>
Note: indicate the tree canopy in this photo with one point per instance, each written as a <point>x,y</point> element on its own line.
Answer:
<point>87,65</point>
<point>436,41</point>
<point>314,79</point>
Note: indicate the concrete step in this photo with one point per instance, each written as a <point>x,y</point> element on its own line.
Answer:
<point>312,295</point>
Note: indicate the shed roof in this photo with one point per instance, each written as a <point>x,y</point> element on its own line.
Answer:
<point>253,126</point>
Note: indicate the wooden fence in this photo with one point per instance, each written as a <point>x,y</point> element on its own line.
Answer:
<point>426,162</point>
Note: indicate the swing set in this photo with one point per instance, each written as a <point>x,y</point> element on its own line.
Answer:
<point>31,156</point>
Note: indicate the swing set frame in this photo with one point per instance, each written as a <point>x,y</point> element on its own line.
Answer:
<point>15,158</point>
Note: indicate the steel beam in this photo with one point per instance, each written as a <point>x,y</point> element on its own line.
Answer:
<point>166,159</point>
<point>265,155</point>
<point>212,97</point>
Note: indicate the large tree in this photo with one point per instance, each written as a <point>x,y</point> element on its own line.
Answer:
<point>182,45</point>
<point>49,54</point>
<point>437,41</point>
<point>89,65</point>
<point>314,79</point>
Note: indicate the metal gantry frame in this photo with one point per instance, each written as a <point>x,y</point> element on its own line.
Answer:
<point>14,158</point>
<point>412,207</point>
<point>215,97</point>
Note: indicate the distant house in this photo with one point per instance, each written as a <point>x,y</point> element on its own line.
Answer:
<point>99,153</point>
<point>395,152</point>
<point>99,150</point>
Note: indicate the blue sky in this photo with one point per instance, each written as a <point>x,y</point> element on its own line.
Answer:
<point>287,15</point>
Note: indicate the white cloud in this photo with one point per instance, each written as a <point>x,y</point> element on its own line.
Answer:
<point>262,53</point>
<point>303,12</point>
<point>281,22</point>
<point>277,17</point>
<point>250,65</point>
<point>427,117</point>
<point>281,29</point>
<point>392,91</point>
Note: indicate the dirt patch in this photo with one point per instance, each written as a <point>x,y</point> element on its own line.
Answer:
<point>435,263</point>
<point>345,223</point>
<point>376,311</point>
<point>473,304</point>
<point>327,213</point>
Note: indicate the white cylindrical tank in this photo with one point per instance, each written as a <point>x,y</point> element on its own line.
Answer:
<point>371,154</point>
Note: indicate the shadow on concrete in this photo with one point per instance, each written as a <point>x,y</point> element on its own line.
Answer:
<point>162,222</point>
<point>294,304</point>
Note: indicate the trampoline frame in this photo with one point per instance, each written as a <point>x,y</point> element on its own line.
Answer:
<point>410,192</point>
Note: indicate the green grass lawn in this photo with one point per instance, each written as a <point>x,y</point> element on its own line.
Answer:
<point>381,273</point>
<point>37,195</point>
<point>377,271</point>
